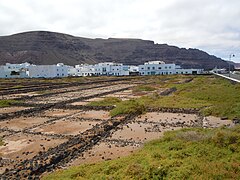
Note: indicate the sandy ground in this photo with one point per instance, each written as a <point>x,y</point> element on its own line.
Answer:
<point>59,112</point>
<point>12,109</point>
<point>4,134</point>
<point>80,103</point>
<point>13,96</point>
<point>66,127</point>
<point>103,115</point>
<point>167,117</point>
<point>22,122</point>
<point>214,122</point>
<point>95,99</point>
<point>104,151</point>
<point>123,95</point>
<point>140,132</point>
<point>21,146</point>
<point>71,95</point>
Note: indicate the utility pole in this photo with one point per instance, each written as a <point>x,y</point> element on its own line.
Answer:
<point>230,57</point>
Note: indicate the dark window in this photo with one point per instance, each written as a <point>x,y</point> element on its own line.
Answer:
<point>159,68</point>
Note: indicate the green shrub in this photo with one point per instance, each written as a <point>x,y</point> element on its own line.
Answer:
<point>141,88</point>
<point>1,142</point>
<point>175,156</point>
<point>7,103</point>
<point>128,107</point>
<point>108,101</point>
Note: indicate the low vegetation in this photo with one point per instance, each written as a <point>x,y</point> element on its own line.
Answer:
<point>108,101</point>
<point>131,106</point>
<point>212,95</point>
<point>1,141</point>
<point>182,154</point>
<point>142,88</point>
<point>7,103</point>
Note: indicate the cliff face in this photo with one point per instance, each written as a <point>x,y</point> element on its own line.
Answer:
<point>41,47</point>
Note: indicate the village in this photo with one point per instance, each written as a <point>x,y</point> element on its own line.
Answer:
<point>27,70</point>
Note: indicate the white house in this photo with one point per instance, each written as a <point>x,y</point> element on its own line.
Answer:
<point>85,70</point>
<point>102,69</point>
<point>14,70</point>
<point>160,68</point>
<point>48,71</point>
<point>72,71</point>
<point>111,69</point>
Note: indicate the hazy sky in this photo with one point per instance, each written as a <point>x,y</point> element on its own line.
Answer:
<point>210,25</point>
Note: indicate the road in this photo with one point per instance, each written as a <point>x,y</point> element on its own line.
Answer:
<point>235,76</point>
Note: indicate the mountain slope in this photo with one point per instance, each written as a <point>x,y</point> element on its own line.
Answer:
<point>42,47</point>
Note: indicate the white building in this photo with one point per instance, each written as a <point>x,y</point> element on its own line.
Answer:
<point>111,69</point>
<point>2,72</point>
<point>14,70</point>
<point>48,71</point>
<point>102,69</point>
<point>72,71</point>
<point>85,70</point>
<point>160,68</point>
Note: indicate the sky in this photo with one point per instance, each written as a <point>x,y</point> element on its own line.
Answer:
<point>210,25</point>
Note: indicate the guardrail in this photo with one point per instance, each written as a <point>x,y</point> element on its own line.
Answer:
<point>232,79</point>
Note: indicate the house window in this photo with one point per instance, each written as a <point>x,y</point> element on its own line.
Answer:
<point>159,68</point>
<point>153,67</point>
<point>142,68</point>
<point>148,68</point>
<point>169,67</point>
<point>165,67</point>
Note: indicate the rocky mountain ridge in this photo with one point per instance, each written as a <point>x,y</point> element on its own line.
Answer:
<point>43,47</point>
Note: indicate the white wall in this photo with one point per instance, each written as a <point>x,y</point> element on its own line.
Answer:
<point>48,71</point>
<point>2,72</point>
<point>108,69</point>
<point>160,68</point>
<point>156,69</point>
